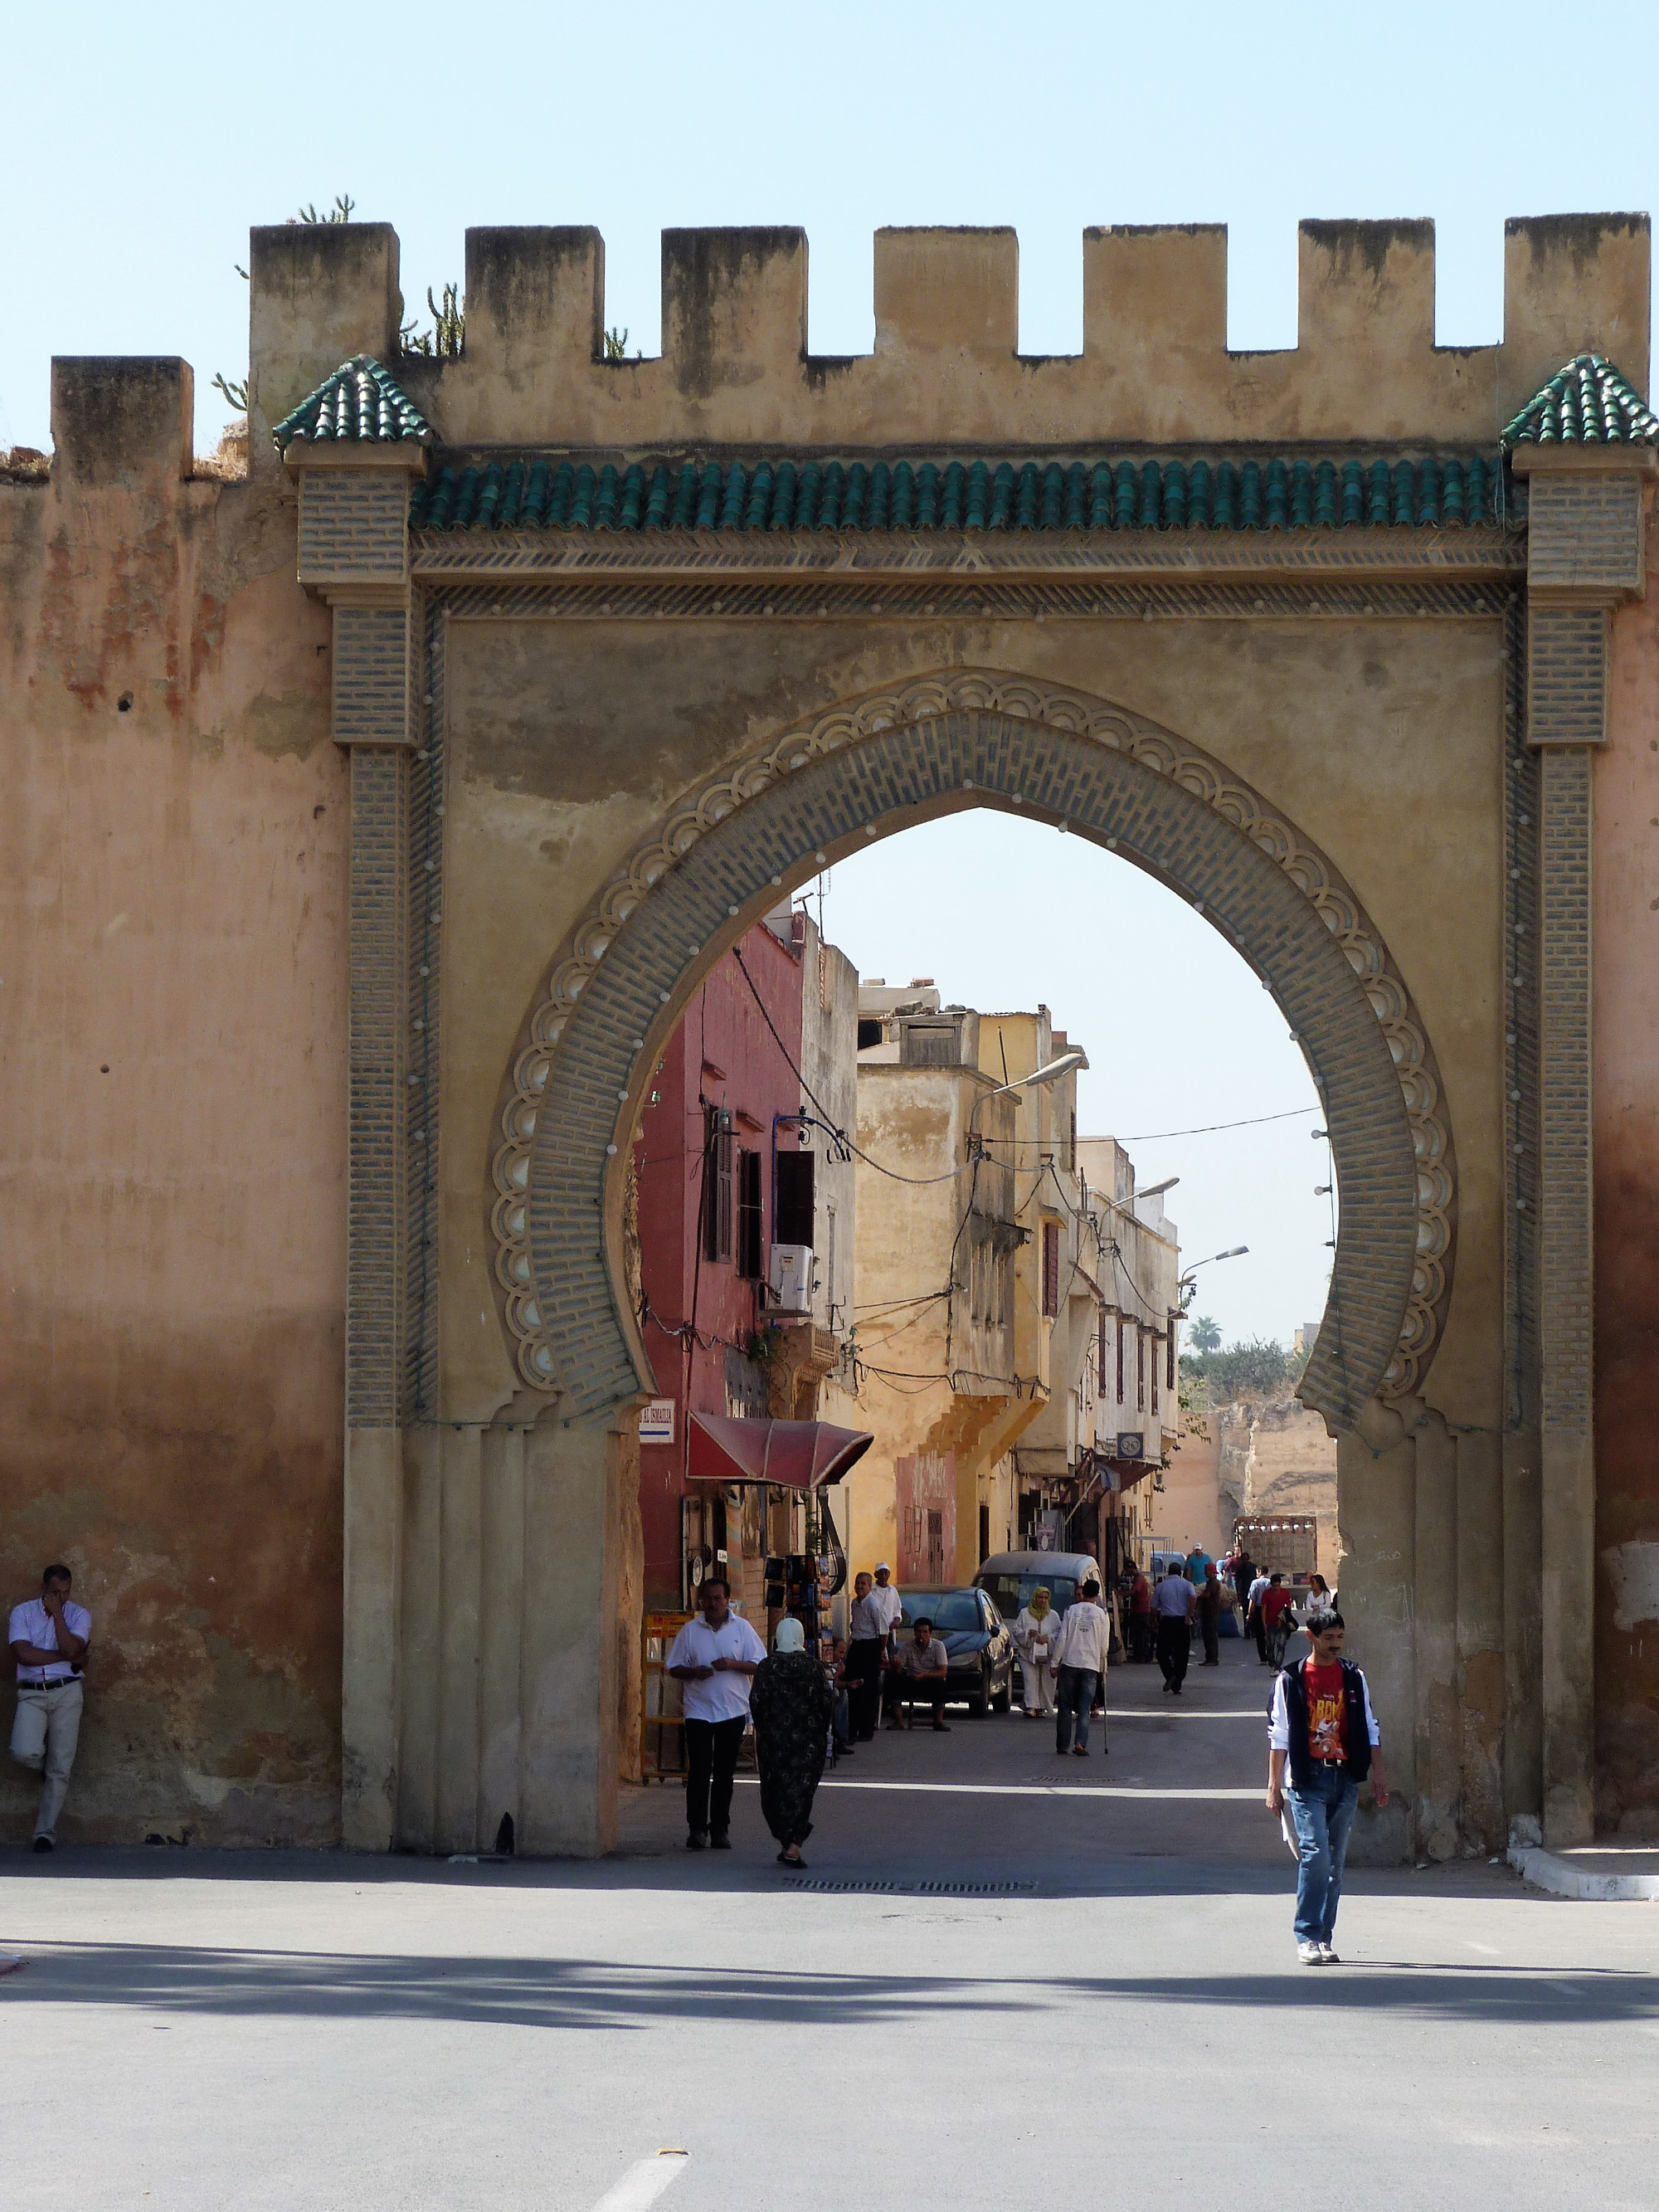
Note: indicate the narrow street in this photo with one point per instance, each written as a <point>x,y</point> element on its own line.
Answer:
<point>1119,2008</point>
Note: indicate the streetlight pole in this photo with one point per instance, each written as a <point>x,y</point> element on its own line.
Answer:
<point>1050,1073</point>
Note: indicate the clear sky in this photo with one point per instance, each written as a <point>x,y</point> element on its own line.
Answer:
<point>139,143</point>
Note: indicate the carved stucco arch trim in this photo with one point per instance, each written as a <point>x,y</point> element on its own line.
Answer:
<point>897,756</point>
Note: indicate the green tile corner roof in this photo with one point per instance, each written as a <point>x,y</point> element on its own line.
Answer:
<point>767,494</point>
<point>360,403</point>
<point>1587,403</point>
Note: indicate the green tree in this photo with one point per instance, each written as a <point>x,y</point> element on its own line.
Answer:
<point>1204,1335</point>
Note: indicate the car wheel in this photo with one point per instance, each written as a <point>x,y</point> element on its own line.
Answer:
<point>1003,1699</point>
<point>980,1703</point>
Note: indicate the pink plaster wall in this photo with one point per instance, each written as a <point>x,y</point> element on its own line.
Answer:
<point>173,876</point>
<point>1626,1111</point>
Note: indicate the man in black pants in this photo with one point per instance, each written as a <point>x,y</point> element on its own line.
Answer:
<point>870,1634</point>
<point>1173,1601</point>
<point>714,1660</point>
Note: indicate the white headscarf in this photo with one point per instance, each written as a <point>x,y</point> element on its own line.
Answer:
<point>791,1636</point>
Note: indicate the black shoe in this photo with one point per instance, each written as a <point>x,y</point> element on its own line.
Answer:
<point>44,1843</point>
<point>697,1840</point>
<point>720,1843</point>
<point>1175,1688</point>
<point>941,1728</point>
<point>1079,1751</point>
<point>794,1865</point>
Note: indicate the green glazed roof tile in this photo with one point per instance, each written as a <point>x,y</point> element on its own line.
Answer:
<point>360,403</point>
<point>1587,403</point>
<point>767,494</point>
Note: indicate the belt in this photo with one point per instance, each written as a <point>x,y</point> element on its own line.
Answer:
<point>60,1682</point>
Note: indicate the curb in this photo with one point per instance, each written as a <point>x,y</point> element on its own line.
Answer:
<point>1545,1870</point>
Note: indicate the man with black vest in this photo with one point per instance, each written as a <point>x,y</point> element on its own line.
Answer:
<point>1323,1729</point>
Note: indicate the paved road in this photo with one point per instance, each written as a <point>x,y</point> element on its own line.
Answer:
<point>196,2031</point>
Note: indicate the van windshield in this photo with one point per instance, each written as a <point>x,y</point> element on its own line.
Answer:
<point>1009,1592</point>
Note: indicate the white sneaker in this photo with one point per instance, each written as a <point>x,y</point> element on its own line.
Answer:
<point>1327,1957</point>
<point>1310,1954</point>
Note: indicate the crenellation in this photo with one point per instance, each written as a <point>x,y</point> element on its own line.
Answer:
<point>535,300</point>
<point>1573,284</point>
<point>318,293</point>
<point>118,418</point>
<point>946,370</point>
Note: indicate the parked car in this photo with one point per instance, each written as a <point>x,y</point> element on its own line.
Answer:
<point>1008,1579</point>
<point>978,1649</point>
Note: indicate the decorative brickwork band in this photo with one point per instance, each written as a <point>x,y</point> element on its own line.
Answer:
<point>1564,1068</point>
<point>1585,532</point>
<point>974,737</point>
<point>371,676</point>
<point>1566,676</point>
<point>353,526</point>
<point>380,903</point>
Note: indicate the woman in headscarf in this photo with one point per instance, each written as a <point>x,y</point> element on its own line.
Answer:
<point>792,1704</point>
<point>1034,1639</point>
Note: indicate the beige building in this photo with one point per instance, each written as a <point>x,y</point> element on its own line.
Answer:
<point>942,1381</point>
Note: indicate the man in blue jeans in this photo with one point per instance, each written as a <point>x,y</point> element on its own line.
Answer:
<point>1323,1729</point>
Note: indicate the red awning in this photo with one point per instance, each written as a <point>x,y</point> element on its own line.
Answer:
<point>801,1455</point>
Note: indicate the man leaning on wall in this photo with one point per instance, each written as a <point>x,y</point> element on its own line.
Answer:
<point>49,1635</point>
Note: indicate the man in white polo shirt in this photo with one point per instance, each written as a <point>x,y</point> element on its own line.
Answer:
<point>714,1660</point>
<point>48,1635</point>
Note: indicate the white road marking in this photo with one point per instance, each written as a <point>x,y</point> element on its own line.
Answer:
<point>644,2182</point>
<point>1035,1790</point>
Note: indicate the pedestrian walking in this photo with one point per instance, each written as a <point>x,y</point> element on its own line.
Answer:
<point>1209,1616</point>
<point>1080,1655</point>
<point>713,1660</point>
<point>1140,1618</point>
<point>49,1635</point>
<point>1253,1621</point>
<point>840,1725</point>
<point>1323,1730</point>
<point>1034,1640</point>
<point>870,1631</point>
<point>793,1701</point>
<point>920,1670</point>
<point>1320,1600</point>
<point>1278,1617</point>
<point>1172,1602</point>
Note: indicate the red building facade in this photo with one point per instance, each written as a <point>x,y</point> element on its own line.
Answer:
<point>722,1112</point>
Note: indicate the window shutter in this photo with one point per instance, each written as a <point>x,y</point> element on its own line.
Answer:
<point>1119,1359</point>
<point>750,1239</point>
<point>1051,1267</point>
<point>717,1184</point>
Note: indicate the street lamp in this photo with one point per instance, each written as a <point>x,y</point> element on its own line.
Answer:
<point>1185,1287</point>
<point>1158,1190</point>
<point>1051,1074</point>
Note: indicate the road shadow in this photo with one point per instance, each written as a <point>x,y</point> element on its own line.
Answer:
<point>586,1994</point>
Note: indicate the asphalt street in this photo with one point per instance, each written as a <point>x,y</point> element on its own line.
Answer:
<point>1005,1978</point>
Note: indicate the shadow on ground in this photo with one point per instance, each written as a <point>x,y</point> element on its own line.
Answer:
<point>577,1993</point>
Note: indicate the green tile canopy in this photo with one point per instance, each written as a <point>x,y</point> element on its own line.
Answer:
<point>1587,403</point>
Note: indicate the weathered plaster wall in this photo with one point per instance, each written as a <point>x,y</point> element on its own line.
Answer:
<point>1627,1079</point>
<point>172,1121</point>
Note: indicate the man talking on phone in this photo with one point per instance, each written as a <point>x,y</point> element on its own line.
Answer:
<point>48,1635</point>
<point>713,1660</point>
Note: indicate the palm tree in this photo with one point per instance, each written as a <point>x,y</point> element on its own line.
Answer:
<point>1205,1335</point>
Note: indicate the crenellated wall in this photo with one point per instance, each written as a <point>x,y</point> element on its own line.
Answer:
<point>1155,368</point>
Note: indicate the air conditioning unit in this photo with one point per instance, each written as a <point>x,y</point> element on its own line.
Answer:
<point>790,1281</point>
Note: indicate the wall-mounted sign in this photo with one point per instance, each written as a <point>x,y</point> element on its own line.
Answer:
<point>657,1422</point>
<point>1131,1443</point>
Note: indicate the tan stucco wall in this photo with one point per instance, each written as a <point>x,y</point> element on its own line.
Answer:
<point>172,1141</point>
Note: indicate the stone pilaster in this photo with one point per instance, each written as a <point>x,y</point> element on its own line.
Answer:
<point>1585,556</point>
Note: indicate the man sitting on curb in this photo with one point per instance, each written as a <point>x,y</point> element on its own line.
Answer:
<point>1322,1726</point>
<point>918,1672</point>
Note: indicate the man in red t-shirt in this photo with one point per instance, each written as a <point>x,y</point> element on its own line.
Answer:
<point>1324,1730</point>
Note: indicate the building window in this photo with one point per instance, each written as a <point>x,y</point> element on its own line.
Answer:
<point>1051,1267</point>
<point>1100,1355</point>
<point>1155,1374</point>
<point>1140,1370</point>
<point>717,1184</point>
<point>870,1033</point>
<point>751,1242</point>
<point>829,1239</point>
<point>1169,1358</point>
<point>1120,1359</point>
<point>796,1204</point>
